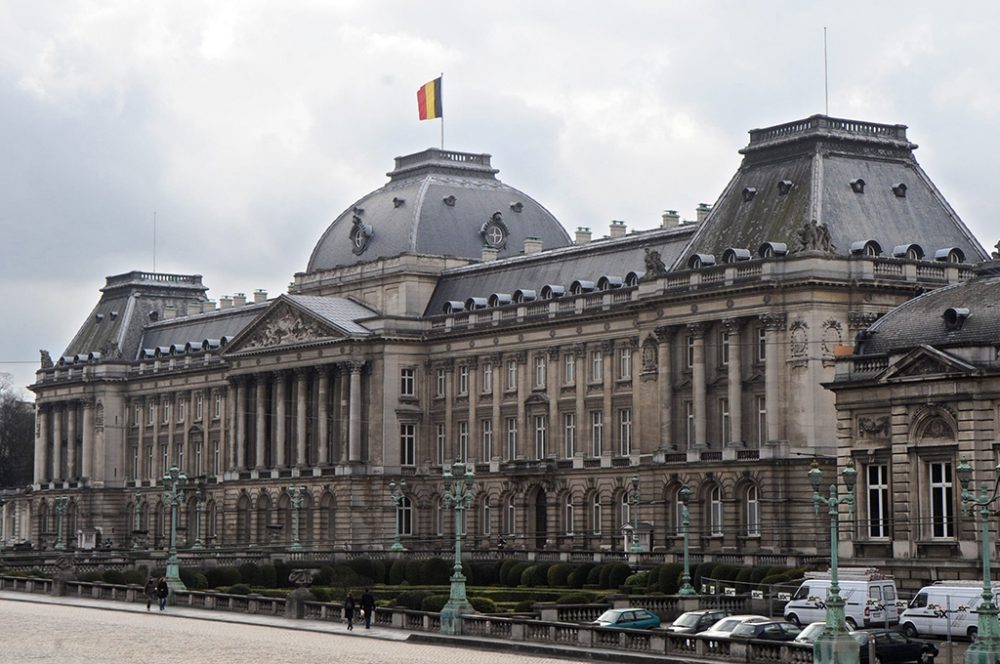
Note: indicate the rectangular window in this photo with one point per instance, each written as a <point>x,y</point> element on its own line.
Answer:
<point>181,408</point>
<point>541,426</point>
<point>595,515</point>
<point>511,375</point>
<point>149,462</point>
<point>150,414</point>
<point>625,431</point>
<point>624,363</point>
<point>596,366</point>
<point>724,348</point>
<point>216,458</point>
<point>197,460</point>
<point>753,512</point>
<point>217,407</point>
<point>539,370</point>
<point>569,433</point>
<point>942,500</point>
<point>762,432</point>
<point>199,408</point>
<point>569,369</point>
<point>165,410</point>
<point>136,415</point>
<point>463,441</point>
<point>596,432</point>
<point>487,428</point>
<point>487,378</point>
<point>689,351</point>
<point>440,439</point>
<point>878,500</point>
<point>725,426</point>
<point>407,444</point>
<point>487,518</point>
<point>568,517</point>
<point>715,512</point>
<point>135,462</point>
<point>511,438</point>
<point>407,382</point>
<point>439,383</point>
<point>689,422</point>
<point>761,343</point>
<point>463,379</point>
<point>164,460</point>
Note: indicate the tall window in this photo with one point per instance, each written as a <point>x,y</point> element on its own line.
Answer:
<point>407,382</point>
<point>878,500</point>
<point>762,432</point>
<point>596,432</point>
<point>463,441</point>
<point>541,425</point>
<point>725,426</point>
<point>440,441</point>
<point>724,348</point>
<point>487,378</point>
<point>165,411</point>
<point>463,379</point>
<point>595,514</point>
<point>596,366</point>
<point>625,508</point>
<point>624,363</point>
<point>199,408</point>
<point>180,456</point>
<point>569,369</point>
<point>569,434</point>
<point>135,462</point>
<point>136,415</point>
<point>164,460</point>
<point>216,458</point>
<point>404,517</point>
<point>689,422</point>
<point>150,414</point>
<point>407,444</point>
<point>761,343</point>
<point>942,500</point>
<point>439,383</point>
<point>715,511</point>
<point>439,517</point>
<point>217,406</point>
<point>752,516</point>
<point>568,515</point>
<point>678,513</point>
<point>150,469</point>
<point>625,431</point>
<point>511,515</point>
<point>689,351</point>
<point>181,410</point>
<point>486,426</point>
<point>511,375</point>
<point>539,370</point>
<point>197,459</point>
<point>486,517</point>
<point>511,438</point>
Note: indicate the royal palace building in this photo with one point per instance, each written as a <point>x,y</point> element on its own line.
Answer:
<point>448,316</point>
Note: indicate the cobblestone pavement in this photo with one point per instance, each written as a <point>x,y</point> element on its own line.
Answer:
<point>60,634</point>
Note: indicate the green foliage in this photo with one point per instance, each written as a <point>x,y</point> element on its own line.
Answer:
<point>580,597</point>
<point>704,569</point>
<point>613,575</point>
<point>505,570</point>
<point>434,603</point>
<point>193,579</point>
<point>281,572</point>
<point>435,572</point>
<point>250,573</point>
<point>487,573</point>
<point>321,594</point>
<point>653,578</point>
<point>323,576</point>
<point>637,580</point>
<point>413,569</point>
<point>758,573</point>
<point>525,606</point>
<point>412,599</point>
<point>743,580</point>
<point>397,572</point>
<point>670,576</point>
<point>594,575</point>
<point>88,577</point>
<point>380,569</point>
<point>223,576</point>
<point>516,574</point>
<point>364,571</point>
<point>268,576</point>
<point>578,577</point>
<point>114,577</point>
<point>483,604</point>
<point>240,589</point>
<point>136,576</point>
<point>536,575</point>
<point>558,575</point>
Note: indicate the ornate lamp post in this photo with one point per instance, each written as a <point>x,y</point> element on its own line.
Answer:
<point>3,525</point>
<point>986,648</point>
<point>173,493</point>
<point>635,547</point>
<point>199,498</point>
<point>834,645</point>
<point>457,496</point>
<point>397,492</point>
<point>684,495</point>
<point>62,502</point>
<point>298,496</point>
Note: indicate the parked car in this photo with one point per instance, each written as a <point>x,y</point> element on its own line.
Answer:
<point>810,632</point>
<point>770,630</point>
<point>724,628</point>
<point>894,648</point>
<point>630,618</point>
<point>695,622</point>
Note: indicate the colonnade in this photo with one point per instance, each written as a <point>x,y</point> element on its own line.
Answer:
<point>64,441</point>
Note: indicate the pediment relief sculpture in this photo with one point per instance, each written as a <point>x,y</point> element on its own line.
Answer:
<point>283,328</point>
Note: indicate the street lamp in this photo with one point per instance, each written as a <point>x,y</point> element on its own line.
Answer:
<point>397,492</point>
<point>62,502</point>
<point>298,496</point>
<point>635,547</point>
<point>173,493</point>
<point>457,496</point>
<point>986,648</point>
<point>834,645</point>
<point>684,496</point>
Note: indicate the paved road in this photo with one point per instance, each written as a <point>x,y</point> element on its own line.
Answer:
<point>41,633</point>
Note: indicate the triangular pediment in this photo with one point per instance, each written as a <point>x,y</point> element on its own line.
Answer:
<point>283,324</point>
<point>923,362</point>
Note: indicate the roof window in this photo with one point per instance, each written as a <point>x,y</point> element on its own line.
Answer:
<point>858,186</point>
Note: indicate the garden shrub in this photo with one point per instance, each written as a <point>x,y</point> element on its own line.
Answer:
<point>321,594</point>
<point>743,580</point>
<point>487,573</point>
<point>412,599</point>
<point>323,576</point>
<point>513,579</point>
<point>364,568</point>
<point>250,573</point>
<point>637,581</point>
<point>223,576</point>
<point>594,575</point>
<point>483,604</point>
<point>268,576</point>
<point>758,573</point>
<point>194,579</point>
<point>578,577</point>
<point>670,575</point>
<point>89,577</point>
<point>136,576</point>
<point>653,578</point>
<point>558,575</point>
<point>505,568</point>
<point>379,569</point>
<point>434,603</point>
<point>525,606</point>
<point>397,572</point>
<point>282,571</point>
<point>435,572</point>
<point>114,576</point>
<point>536,576</point>
<point>581,597</point>
<point>240,589</point>
<point>616,575</point>
<point>413,569</point>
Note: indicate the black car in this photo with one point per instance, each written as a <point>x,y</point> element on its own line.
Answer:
<point>894,648</point>
<point>772,630</point>
<point>694,622</point>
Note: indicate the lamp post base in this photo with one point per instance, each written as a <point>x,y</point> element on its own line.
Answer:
<point>457,606</point>
<point>836,648</point>
<point>986,648</point>
<point>174,577</point>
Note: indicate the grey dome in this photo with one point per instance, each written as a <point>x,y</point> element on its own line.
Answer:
<point>439,203</point>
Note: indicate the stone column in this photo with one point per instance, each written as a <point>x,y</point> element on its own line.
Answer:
<point>774,324</point>
<point>240,415</point>
<point>280,417</point>
<point>171,404</point>
<point>354,426</point>
<point>609,430</point>
<point>57,416</point>
<point>496,396</point>
<point>697,332</point>
<point>260,421</point>
<point>665,379</point>
<point>42,443</point>
<point>229,417</point>
<point>301,422</point>
<point>323,416</point>
<point>733,328</point>
<point>71,415</point>
<point>555,442</point>
<point>584,444</point>
<point>87,462</point>
<point>524,438</point>
<point>451,442</point>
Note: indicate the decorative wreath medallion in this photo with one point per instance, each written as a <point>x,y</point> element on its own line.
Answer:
<point>361,234</point>
<point>494,232</point>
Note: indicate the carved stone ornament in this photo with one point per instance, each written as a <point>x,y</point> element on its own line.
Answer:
<point>833,336</point>
<point>649,349</point>
<point>361,233</point>
<point>111,351</point>
<point>799,337</point>
<point>46,359</point>
<point>873,427</point>
<point>494,232</point>
<point>815,237</point>
<point>285,327</point>
<point>859,320</point>
<point>654,265</point>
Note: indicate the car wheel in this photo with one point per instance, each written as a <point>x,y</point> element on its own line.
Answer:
<point>973,633</point>
<point>850,623</point>
<point>794,619</point>
<point>910,631</point>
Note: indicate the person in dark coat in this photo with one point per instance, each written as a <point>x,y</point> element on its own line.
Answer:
<point>349,607</point>
<point>162,592</point>
<point>150,591</point>
<point>368,607</point>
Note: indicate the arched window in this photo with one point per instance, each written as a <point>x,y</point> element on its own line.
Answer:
<point>285,517</point>
<point>404,516</point>
<point>715,510</point>
<point>327,519</point>
<point>263,519</point>
<point>624,510</point>
<point>243,520</point>
<point>211,521</point>
<point>752,511</point>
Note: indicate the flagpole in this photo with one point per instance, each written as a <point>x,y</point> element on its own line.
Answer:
<point>442,111</point>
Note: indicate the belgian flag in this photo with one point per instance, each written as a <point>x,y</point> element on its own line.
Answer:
<point>429,100</point>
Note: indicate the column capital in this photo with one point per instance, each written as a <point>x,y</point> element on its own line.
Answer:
<point>279,374</point>
<point>301,373</point>
<point>860,320</point>
<point>355,366</point>
<point>579,350</point>
<point>496,358</point>
<point>733,325</point>
<point>521,356</point>
<point>553,352</point>
<point>665,333</point>
<point>773,322</point>
<point>697,329</point>
<point>473,362</point>
<point>87,403</point>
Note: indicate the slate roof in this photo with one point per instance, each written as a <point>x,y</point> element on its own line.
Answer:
<point>199,327</point>
<point>591,261</point>
<point>820,157</point>
<point>340,312</point>
<point>410,213</point>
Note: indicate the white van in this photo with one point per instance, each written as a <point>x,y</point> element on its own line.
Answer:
<point>945,607</point>
<point>869,599</point>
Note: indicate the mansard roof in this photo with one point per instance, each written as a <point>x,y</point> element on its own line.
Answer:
<point>859,179</point>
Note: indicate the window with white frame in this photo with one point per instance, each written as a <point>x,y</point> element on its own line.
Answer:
<point>596,366</point>
<point>487,378</point>
<point>878,500</point>
<point>541,432</point>
<point>624,363</point>
<point>689,422</point>
<point>181,410</point>
<point>216,458</point>
<point>486,517</point>
<point>407,444</point>
<point>689,351</point>
<point>569,369</point>
<point>197,458</point>
<point>761,343</point>
<point>762,433</point>
<point>596,432</point>
<point>511,375</point>
<point>440,383</point>
<point>217,406</point>
<point>568,515</point>
<point>164,459</point>
<point>511,516</point>
<point>135,462</point>
<point>942,496</point>
<point>199,407</point>
<point>486,426</point>
<point>463,441</point>
<point>625,431</point>
<point>678,514</point>
<point>180,456</point>
<point>569,434</point>
<point>752,507</point>
<point>625,509</point>
<point>150,469</point>
<point>539,370</point>
<point>725,425</point>
<point>715,511</point>
<point>150,414</point>
<point>441,442</point>
<point>511,437</point>
<point>595,514</point>
<point>724,348</point>
<point>136,415</point>
<point>407,382</point>
<point>439,517</point>
<point>404,517</point>
<point>165,412</point>
<point>463,379</point>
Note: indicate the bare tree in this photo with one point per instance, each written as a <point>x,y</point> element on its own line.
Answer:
<point>17,436</point>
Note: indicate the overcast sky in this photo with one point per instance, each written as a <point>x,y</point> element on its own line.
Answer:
<point>248,126</point>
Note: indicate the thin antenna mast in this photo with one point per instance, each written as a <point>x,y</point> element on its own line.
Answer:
<point>154,240</point>
<point>826,75</point>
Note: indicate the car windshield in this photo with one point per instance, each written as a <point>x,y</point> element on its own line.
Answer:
<point>609,616</point>
<point>860,637</point>
<point>726,625</point>
<point>744,629</point>
<point>688,620</point>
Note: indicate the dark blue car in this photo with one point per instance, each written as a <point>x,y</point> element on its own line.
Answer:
<point>894,648</point>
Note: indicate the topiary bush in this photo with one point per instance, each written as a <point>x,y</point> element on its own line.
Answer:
<point>379,569</point>
<point>321,594</point>
<point>558,575</point>
<point>250,573</point>
<point>513,579</point>
<point>434,603</point>
<point>240,589</point>
<point>435,572</point>
<point>487,573</point>
<point>653,578</point>
<point>194,579</point>
<point>113,576</point>
<point>136,576</point>
<point>594,575</point>
<point>743,580</point>
<point>536,575</point>
<point>282,570</point>
<point>525,606</point>
<point>412,599</point>
<point>397,572</point>
<point>323,576</point>
<point>613,575</point>
<point>223,576</point>
<point>505,569</point>
<point>581,597</point>
<point>483,604</point>
<point>578,577</point>
<point>637,581</point>
<point>413,569</point>
<point>670,576</point>
<point>89,577</point>
<point>268,576</point>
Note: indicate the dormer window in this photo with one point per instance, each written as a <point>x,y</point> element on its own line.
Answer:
<point>784,186</point>
<point>858,186</point>
<point>749,193</point>
<point>899,189</point>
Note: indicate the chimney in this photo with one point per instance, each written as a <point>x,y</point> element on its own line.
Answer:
<point>489,253</point>
<point>582,235</point>
<point>259,295</point>
<point>702,212</point>
<point>225,302</point>
<point>194,307</point>
<point>169,311</point>
<point>207,305</point>
<point>671,219</point>
<point>617,228</point>
<point>532,245</point>
<point>239,299</point>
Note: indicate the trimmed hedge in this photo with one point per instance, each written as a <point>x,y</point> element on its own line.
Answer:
<point>434,603</point>
<point>239,589</point>
<point>515,574</point>
<point>250,573</point>
<point>505,570</point>
<point>483,604</point>
<point>578,577</point>
<point>670,576</point>
<point>412,599</point>
<point>223,576</point>
<point>435,572</point>
<point>397,572</point>
<point>558,575</point>
<point>581,597</point>
<point>268,576</point>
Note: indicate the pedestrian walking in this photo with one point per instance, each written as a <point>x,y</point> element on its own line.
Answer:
<point>349,607</point>
<point>150,591</point>
<point>367,607</point>
<point>162,592</point>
